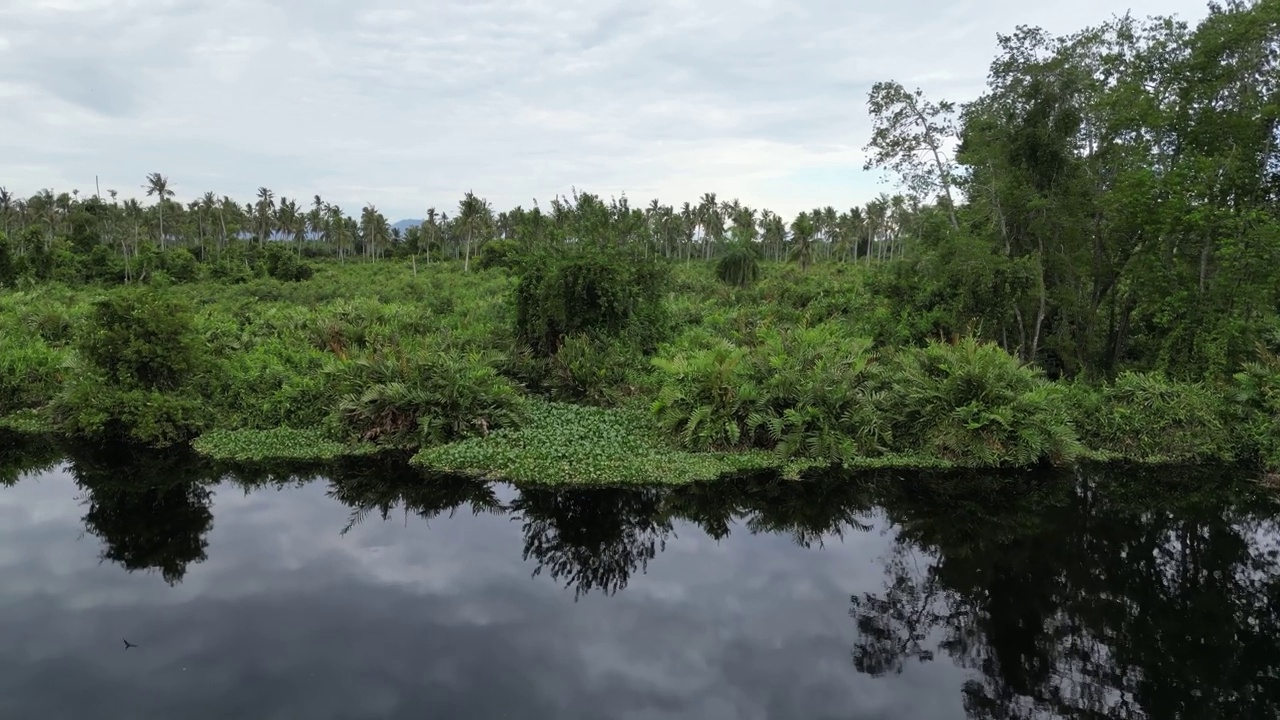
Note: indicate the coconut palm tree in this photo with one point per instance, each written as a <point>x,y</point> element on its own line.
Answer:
<point>375,231</point>
<point>712,221</point>
<point>264,214</point>
<point>474,218</point>
<point>6,207</point>
<point>803,229</point>
<point>158,185</point>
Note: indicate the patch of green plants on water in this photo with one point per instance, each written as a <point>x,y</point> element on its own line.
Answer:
<point>564,443</point>
<point>278,444</point>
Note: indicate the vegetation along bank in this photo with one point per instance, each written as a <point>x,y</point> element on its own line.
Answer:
<point>1094,274</point>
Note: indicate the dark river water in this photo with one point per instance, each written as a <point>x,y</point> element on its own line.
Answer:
<point>372,592</point>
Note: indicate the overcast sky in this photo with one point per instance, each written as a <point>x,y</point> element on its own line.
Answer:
<point>409,104</point>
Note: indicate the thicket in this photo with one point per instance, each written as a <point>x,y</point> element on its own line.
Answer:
<point>792,370</point>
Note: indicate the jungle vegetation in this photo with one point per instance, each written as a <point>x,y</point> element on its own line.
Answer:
<point>1082,262</point>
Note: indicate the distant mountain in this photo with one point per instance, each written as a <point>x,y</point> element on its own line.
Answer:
<point>403,225</point>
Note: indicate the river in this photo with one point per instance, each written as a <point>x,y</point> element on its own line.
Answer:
<point>369,591</point>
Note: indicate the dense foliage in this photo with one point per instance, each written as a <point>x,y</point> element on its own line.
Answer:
<point>1094,273</point>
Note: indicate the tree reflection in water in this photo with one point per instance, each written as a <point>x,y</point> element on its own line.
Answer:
<point>593,539</point>
<point>1120,594</point>
<point>150,509</point>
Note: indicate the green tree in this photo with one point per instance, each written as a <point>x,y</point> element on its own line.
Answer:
<point>158,185</point>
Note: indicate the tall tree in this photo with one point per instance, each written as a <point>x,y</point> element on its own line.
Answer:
<point>909,136</point>
<point>158,185</point>
<point>474,217</point>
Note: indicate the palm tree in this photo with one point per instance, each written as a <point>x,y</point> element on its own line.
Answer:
<point>802,231</point>
<point>208,202</point>
<point>430,230</point>
<point>158,185</point>
<point>336,229</point>
<point>773,233</point>
<point>711,220</point>
<point>877,219</point>
<point>290,221</point>
<point>6,207</point>
<point>316,220</point>
<point>474,218</point>
<point>264,212</point>
<point>375,231</point>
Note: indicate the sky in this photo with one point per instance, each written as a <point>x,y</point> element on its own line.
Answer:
<point>408,105</point>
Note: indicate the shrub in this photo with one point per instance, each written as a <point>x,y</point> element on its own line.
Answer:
<point>504,254</point>
<point>739,265</point>
<point>141,361</point>
<point>973,404</point>
<point>425,399</point>
<point>707,397</point>
<point>818,395</point>
<point>180,265</point>
<point>1257,399</point>
<point>1145,417</point>
<point>96,409</point>
<point>272,385</point>
<point>282,264</point>
<point>30,373</point>
<point>596,371</point>
<point>597,291</point>
<point>140,339</point>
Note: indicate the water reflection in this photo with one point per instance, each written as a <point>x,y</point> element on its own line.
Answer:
<point>1123,595</point>
<point>152,511</point>
<point>1104,593</point>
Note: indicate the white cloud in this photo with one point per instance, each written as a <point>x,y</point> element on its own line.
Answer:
<point>409,105</point>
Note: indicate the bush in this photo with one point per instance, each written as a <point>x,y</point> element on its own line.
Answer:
<point>141,339</point>
<point>272,385</point>
<point>1257,399</point>
<point>141,362</point>
<point>30,373</point>
<point>818,395</point>
<point>425,399</point>
<point>739,265</point>
<point>180,265</point>
<point>92,408</point>
<point>707,397</point>
<point>596,291</point>
<point>504,254</point>
<point>973,404</point>
<point>595,371</point>
<point>282,264</point>
<point>1145,417</point>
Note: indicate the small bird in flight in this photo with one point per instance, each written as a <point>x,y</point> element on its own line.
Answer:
<point>128,645</point>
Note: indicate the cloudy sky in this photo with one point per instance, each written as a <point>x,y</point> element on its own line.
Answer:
<point>408,104</point>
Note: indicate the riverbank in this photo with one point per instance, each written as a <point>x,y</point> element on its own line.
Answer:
<point>701,379</point>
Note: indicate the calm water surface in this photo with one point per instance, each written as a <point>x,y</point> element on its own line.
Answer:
<point>372,593</point>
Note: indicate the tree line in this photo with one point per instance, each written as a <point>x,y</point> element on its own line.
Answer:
<point>207,225</point>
